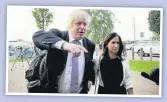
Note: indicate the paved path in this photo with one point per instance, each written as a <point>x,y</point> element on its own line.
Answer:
<point>16,78</point>
<point>17,83</point>
<point>143,86</point>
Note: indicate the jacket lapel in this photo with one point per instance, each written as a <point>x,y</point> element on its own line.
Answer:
<point>84,83</point>
<point>85,45</point>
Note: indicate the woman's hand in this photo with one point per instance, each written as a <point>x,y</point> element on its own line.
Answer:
<point>130,91</point>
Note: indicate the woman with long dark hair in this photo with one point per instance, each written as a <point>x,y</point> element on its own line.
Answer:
<point>113,71</point>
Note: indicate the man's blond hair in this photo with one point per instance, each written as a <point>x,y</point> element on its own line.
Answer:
<point>78,14</point>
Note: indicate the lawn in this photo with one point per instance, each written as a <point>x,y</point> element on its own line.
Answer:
<point>143,65</point>
<point>19,60</point>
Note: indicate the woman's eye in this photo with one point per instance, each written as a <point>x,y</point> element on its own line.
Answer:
<point>115,42</point>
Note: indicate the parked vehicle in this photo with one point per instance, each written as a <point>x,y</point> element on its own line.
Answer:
<point>130,45</point>
<point>155,45</point>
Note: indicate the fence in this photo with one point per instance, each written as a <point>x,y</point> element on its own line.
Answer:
<point>141,54</point>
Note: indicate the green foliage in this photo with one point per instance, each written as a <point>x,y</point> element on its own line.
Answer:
<point>142,65</point>
<point>101,24</point>
<point>43,17</point>
<point>19,60</point>
<point>156,36</point>
<point>154,21</point>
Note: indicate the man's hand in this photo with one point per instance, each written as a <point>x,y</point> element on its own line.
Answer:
<point>74,49</point>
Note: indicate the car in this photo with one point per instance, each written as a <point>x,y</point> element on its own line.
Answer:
<point>155,45</point>
<point>129,46</point>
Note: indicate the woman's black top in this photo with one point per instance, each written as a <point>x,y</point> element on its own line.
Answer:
<point>112,76</point>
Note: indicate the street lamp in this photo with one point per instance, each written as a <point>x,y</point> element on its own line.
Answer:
<point>134,29</point>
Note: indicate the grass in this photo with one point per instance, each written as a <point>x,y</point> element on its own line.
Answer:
<point>19,60</point>
<point>136,65</point>
<point>143,65</point>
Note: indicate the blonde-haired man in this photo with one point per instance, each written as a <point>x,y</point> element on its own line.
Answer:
<point>70,53</point>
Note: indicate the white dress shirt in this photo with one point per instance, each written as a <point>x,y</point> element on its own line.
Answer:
<point>65,79</point>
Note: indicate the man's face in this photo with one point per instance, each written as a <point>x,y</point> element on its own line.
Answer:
<point>78,28</point>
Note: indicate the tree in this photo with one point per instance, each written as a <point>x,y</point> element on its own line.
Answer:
<point>101,24</point>
<point>154,21</point>
<point>43,17</point>
<point>156,36</point>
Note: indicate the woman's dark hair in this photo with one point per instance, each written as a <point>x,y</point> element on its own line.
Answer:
<point>107,40</point>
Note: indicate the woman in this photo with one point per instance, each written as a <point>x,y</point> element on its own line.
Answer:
<point>113,73</point>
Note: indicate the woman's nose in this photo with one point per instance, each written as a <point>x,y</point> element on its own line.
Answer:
<point>116,45</point>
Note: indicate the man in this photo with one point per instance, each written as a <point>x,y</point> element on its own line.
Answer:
<point>62,51</point>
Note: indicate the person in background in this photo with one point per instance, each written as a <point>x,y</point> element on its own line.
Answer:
<point>153,75</point>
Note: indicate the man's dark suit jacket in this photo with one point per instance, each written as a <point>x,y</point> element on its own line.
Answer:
<point>56,60</point>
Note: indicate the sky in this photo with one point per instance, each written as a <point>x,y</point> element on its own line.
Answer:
<point>21,24</point>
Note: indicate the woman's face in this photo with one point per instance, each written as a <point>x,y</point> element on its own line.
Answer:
<point>113,45</point>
